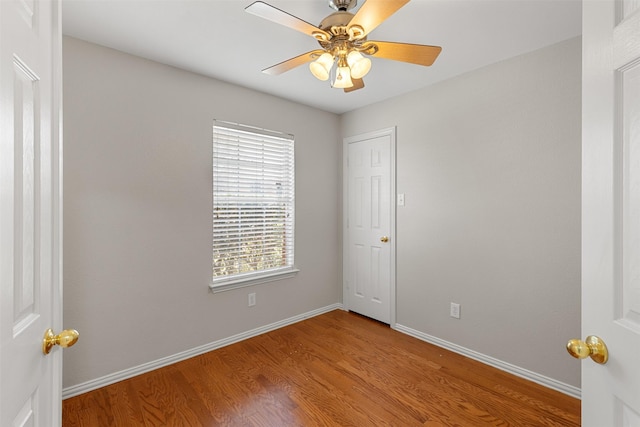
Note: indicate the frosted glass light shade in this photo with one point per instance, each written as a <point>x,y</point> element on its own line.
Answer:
<point>343,78</point>
<point>360,65</point>
<point>321,67</point>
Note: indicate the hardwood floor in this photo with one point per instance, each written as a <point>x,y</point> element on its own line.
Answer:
<point>337,369</point>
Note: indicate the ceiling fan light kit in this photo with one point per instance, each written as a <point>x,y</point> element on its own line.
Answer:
<point>358,64</point>
<point>321,67</point>
<point>343,78</point>
<point>343,39</point>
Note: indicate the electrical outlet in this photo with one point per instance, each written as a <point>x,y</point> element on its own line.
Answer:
<point>252,299</point>
<point>455,310</point>
<point>401,199</point>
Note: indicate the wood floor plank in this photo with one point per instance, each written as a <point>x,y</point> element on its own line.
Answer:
<point>337,369</point>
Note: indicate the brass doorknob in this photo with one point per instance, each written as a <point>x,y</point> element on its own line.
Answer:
<point>64,339</point>
<point>384,239</point>
<point>593,346</point>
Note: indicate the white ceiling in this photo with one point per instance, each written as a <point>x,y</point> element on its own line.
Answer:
<point>217,38</point>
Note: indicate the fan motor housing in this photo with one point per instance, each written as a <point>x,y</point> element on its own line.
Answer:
<point>336,19</point>
<point>341,40</point>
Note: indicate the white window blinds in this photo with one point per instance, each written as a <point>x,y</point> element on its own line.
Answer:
<point>253,202</point>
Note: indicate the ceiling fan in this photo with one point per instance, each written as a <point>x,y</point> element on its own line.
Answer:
<point>342,36</point>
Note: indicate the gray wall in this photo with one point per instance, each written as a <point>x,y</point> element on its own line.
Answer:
<point>490,166</point>
<point>489,162</point>
<point>137,211</point>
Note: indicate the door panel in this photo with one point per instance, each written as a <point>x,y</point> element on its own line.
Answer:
<point>611,210</point>
<point>630,285</point>
<point>29,211</point>
<point>369,193</point>
<point>26,104</point>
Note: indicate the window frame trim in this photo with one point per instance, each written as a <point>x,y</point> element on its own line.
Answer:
<point>250,279</point>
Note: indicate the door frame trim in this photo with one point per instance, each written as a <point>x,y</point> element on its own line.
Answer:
<point>391,132</point>
<point>57,205</point>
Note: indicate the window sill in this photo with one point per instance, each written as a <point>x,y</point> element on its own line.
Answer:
<point>252,280</point>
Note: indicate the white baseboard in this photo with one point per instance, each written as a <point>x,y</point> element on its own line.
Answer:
<point>496,363</point>
<point>169,360</point>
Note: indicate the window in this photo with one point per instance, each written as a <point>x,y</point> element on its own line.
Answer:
<point>253,205</point>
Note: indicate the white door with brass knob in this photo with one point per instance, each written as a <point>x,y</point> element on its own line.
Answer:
<point>610,215</point>
<point>30,212</point>
<point>369,267</point>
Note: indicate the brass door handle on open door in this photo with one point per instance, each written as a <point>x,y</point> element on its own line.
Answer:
<point>384,239</point>
<point>593,346</point>
<point>64,339</point>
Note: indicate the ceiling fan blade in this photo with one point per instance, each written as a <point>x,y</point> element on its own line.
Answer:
<point>373,12</point>
<point>293,62</point>
<point>406,52</point>
<point>281,17</point>
<point>357,84</point>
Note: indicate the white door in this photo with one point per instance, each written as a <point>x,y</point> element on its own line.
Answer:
<point>370,231</point>
<point>611,210</point>
<point>30,211</point>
